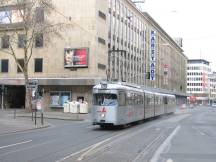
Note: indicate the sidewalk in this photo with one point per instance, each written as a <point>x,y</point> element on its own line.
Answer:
<point>22,121</point>
<point>9,124</point>
<point>57,115</point>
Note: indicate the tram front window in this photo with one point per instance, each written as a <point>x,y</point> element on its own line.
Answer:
<point>105,99</point>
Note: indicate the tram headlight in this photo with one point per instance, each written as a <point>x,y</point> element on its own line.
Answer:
<point>103,115</point>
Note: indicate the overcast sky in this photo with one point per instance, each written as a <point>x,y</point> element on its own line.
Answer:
<point>193,20</point>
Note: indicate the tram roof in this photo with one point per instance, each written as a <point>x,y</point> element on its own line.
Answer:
<point>119,85</point>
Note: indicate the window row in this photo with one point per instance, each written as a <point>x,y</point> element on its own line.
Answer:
<point>38,62</point>
<point>14,15</point>
<point>195,84</point>
<point>195,73</point>
<point>194,89</point>
<point>194,68</point>
<point>6,41</point>
<point>199,68</point>
<point>195,79</point>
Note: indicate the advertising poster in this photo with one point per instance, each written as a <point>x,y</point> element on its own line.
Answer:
<point>76,57</point>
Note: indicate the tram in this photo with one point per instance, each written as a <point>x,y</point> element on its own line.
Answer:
<point>117,104</point>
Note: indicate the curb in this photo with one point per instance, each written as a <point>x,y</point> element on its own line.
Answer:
<point>26,130</point>
<point>53,118</point>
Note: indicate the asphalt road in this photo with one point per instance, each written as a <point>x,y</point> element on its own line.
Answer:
<point>180,137</point>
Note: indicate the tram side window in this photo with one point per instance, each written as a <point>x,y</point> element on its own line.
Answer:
<point>140,99</point>
<point>156,100</point>
<point>122,99</point>
<point>165,100</point>
<point>148,100</point>
<point>130,98</point>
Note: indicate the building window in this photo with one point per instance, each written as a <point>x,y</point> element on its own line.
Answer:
<point>4,66</point>
<point>38,65</point>
<point>102,15</point>
<point>10,16</point>
<point>5,41</point>
<point>21,40</point>
<point>39,40</point>
<point>57,99</point>
<point>101,40</point>
<point>21,62</point>
<point>101,66</point>
<point>39,14</point>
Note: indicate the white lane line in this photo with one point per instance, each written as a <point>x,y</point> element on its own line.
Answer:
<point>169,160</point>
<point>92,148</point>
<point>76,153</point>
<point>15,144</point>
<point>147,147</point>
<point>89,149</point>
<point>92,126</point>
<point>164,145</point>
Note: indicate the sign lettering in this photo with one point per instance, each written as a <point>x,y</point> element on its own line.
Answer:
<point>152,55</point>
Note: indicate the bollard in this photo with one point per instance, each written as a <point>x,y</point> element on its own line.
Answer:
<point>15,114</point>
<point>42,120</point>
<point>35,117</point>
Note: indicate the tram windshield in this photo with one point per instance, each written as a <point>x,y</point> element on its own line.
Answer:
<point>102,99</point>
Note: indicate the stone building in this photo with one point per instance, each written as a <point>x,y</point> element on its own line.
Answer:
<point>108,40</point>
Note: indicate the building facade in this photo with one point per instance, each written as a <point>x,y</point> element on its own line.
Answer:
<point>200,80</point>
<point>108,40</point>
<point>212,94</point>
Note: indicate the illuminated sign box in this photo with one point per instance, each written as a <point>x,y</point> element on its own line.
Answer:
<point>76,57</point>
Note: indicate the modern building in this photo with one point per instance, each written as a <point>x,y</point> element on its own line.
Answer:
<point>199,78</point>
<point>112,40</point>
<point>212,94</point>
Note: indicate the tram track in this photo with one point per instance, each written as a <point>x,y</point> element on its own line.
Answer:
<point>156,134</point>
<point>105,145</point>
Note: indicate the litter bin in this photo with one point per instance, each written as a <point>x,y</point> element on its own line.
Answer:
<point>66,107</point>
<point>84,108</point>
<point>74,107</point>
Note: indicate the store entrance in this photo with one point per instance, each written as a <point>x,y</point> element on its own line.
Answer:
<point>15,97</point>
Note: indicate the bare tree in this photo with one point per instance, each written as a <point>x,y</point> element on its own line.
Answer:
<point>26,23</point>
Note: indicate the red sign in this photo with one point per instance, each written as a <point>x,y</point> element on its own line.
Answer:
<point>102,110</point>
<point>192,98</point>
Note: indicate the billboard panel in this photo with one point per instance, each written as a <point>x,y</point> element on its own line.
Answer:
<point>76,57</point>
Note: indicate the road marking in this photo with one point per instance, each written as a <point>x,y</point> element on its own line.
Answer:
<point>90,148</point>
<point>169,160</point>
<point>164,145</point>
<point>197,129</point>
<point>27,148</point>
<point>76,153</point>
<point>148,146</point>
<point>92,126</point>
<point>15,144</point>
